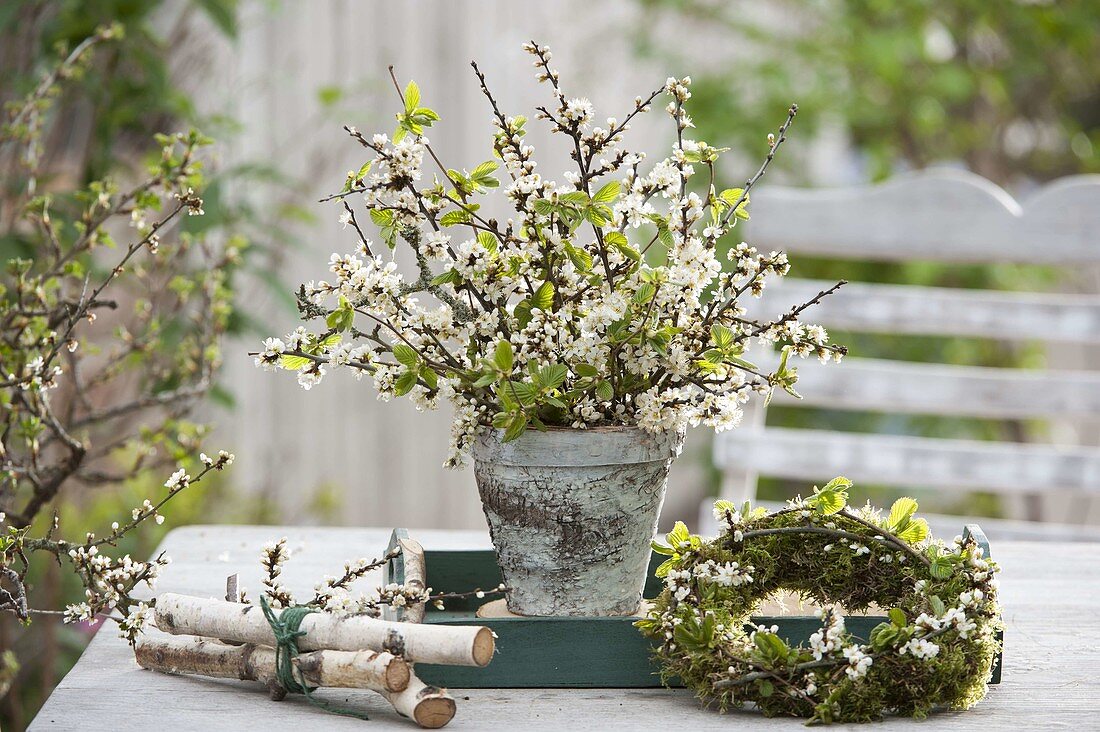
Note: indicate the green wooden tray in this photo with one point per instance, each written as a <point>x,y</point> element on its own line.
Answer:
<point>573,652</point>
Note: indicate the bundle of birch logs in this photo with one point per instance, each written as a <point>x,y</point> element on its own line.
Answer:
<point>232,640</point>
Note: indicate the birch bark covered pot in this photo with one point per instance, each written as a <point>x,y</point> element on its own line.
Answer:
<point>572,514</point>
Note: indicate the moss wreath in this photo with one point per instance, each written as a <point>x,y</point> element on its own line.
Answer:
<point>936,650</point>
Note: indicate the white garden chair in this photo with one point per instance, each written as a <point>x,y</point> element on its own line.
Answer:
<point>946,216</point>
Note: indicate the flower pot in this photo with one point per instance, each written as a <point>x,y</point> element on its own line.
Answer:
<point>572,514</point>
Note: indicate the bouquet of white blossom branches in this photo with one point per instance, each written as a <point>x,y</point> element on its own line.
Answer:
<point>603,301</point>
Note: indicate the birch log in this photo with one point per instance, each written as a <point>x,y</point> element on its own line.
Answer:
<point>428,706</point>
<point>381,672</point>
<point>451,645</point>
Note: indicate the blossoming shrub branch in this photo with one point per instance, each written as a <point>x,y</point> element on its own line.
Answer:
<point>86,404</point>
<point>602,300</point>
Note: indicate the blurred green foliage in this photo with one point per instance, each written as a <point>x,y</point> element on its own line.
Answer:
<point>1010,91</point>
<point>104,121</point>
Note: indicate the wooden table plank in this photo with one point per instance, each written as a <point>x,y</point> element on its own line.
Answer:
<point>1051,679</point>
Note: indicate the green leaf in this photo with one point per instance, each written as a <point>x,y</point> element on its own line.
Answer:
<point>525,393</point>
<point>522,312</point>
<point>721,336</point>
<point>737,360</point>
<point>503,356</point>
<point>405,355</point>
<point>412,97</point>
<point>730,195</point>
<point>404,383</point>
<point>723,505</point>
<point>580,258</point>
<point>883,636</point>
<point>766,687</point>
<point>488,240</point>
<point>449,277</point>
<point>553,376</point>
<point>771,646</point>
<point>486,380</point>
<point>381,217</point>
<point>838,483</point>
<point>482,174</point>
<point>453,218</point>
<point>605,391</point>
<point>900,513</point>
<point>484,169</point>
<point>937,605</point>
<point>663,549</point>
<point>941,567</point>
<point>644,293</point>
<point>915,532</point>
<point>607,192</point>
<point>544,296</point>
<point>664,567</point>
<point>615,239</point>
<point>585,370</point>
<point>897,617</point>
<point>429,377</point>
<point>619,242</point>
<point>516,427</point>
<point>678,535</point>
<point>555,402</point>
<point>832,498</point>
<point>340,319</point>
<point>294,363</point>
<point>544,207</point>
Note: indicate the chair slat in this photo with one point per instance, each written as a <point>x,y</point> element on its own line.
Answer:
<point>940,214</point>
<point>814,455</point>
<point>875,308</point>
<point>915,388</point>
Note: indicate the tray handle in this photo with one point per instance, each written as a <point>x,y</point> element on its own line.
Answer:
<point>406,568</point>
<point>973,531</point>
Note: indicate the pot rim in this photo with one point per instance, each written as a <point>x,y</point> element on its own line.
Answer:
<point>574,447</point>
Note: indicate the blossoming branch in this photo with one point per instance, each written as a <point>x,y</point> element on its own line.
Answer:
<point>110,334</point>
<point>602,301</point>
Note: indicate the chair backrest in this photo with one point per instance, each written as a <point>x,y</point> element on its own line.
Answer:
<point>945,216</point>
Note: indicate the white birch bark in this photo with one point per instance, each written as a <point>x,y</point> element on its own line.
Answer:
<point>428,706</point>
<point>451,645</point>
<point>381,672</point>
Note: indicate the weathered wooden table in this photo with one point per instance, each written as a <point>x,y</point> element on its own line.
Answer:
<point>1051,593</point>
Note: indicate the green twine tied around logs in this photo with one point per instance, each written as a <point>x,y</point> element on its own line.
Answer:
<point>286,629</point>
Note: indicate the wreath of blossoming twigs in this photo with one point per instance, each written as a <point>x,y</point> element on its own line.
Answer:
<point>936,649</point>
<point>603,299</point>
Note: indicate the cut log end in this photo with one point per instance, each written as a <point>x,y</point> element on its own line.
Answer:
<point>484,647</point>
<point>397,675</point>
<point>434,710</point>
